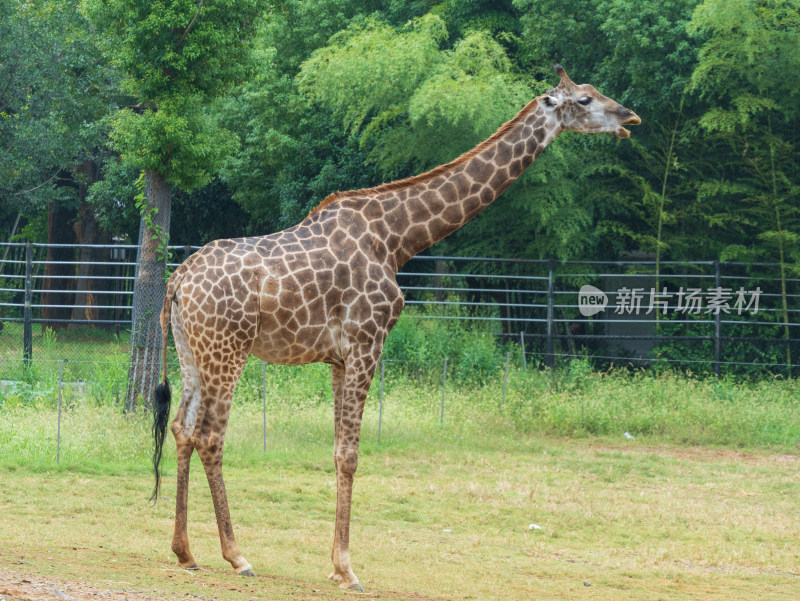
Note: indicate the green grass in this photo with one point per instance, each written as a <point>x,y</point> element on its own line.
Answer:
<point>91,354</point>
<point>569,401</point>
<point>441,513</point>
<point>700,504</point>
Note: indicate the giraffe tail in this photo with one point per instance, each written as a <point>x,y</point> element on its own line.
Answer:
<point>162,396</point>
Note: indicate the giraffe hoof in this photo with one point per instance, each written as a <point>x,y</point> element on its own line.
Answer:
<point>248,571</point>
<point>355,587</point>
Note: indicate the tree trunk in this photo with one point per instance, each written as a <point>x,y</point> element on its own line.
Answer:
<point>88,232</point>
<point>57,291</point>
<point>148,292</point>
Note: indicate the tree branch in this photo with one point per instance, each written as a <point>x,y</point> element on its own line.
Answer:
<point>191,24</point>
<point>44,183</point>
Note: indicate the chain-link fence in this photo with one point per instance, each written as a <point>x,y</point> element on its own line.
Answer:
<point>60,302</point>
<point>149,286</point>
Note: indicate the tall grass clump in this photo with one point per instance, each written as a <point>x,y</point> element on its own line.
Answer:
<point>94,438</point>
<point>572,399</point>
<point>419,346</point>
<point>669,406</point>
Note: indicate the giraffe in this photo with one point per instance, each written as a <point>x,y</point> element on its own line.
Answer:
<point>325,291</point>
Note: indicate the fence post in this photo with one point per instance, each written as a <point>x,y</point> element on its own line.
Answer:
<point>505,380</point>
<point>522,345</point>
<point>380,410</point>
<point>27,328</point>
<point>264,398</point>
<point>58,434</point>
<point>117,258</point>
<point>717,322</point>
<point>444,383</point>
<point>548,357</point>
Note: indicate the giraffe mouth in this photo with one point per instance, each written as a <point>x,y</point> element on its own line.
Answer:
<point>632,120</point>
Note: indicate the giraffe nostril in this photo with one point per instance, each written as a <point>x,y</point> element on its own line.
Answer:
<point>632,120</point>
<point>628,116</point>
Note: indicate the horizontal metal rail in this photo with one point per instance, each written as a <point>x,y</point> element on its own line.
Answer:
<point>83,277</point>
<point>103,263</point>
<point>112,292</point>
<point>500,290</point>
<point>545,308</point>
<point>475,275</point>
<point>57,320</point>
<point>38,306</point>
<point>471,304</point>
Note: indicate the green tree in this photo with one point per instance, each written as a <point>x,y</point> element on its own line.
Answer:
<point>177,56</point>
<point>291,155</point>
<point>749,72</point>
<point>54,94</point>
<point>56,91</point>
<point>641,55</point>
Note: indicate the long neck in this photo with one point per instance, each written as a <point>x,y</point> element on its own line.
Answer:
<point>426,208</point>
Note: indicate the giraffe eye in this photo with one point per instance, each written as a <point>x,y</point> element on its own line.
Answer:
<point>585,100</point>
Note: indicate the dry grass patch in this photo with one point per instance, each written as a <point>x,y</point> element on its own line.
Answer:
<point>437,515</point>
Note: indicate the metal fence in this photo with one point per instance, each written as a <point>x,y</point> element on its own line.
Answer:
<point>698,315</point>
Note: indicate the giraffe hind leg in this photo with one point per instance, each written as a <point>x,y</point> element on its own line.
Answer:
<point>215,356</point>
<point>190,398</point>
<point>209,440</point>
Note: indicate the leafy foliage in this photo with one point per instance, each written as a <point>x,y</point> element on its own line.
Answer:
<point>56,88</point>
<point>289,101</point>
<point>176,56</point>
<point>749,67</point>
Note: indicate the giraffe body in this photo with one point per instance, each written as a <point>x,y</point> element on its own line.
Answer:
<point>325,291</point>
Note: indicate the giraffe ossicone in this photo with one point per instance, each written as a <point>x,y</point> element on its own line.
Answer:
<point>325,291</point>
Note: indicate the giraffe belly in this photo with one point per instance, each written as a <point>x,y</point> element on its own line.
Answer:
<point>293,325</point>
<point>310,344</point>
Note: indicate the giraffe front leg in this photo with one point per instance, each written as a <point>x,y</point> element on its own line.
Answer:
<point>342,569</point>
<point>352,390</point>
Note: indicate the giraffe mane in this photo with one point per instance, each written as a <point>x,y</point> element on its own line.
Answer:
<point>423,177</point>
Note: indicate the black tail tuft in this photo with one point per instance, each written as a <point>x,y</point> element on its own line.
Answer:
<point>163,400</point>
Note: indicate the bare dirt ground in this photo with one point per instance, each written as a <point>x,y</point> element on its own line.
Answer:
<point>26,587</point>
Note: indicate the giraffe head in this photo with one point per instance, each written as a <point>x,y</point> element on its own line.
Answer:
<point>582,108</point>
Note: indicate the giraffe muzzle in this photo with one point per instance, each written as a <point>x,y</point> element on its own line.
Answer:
<point>631,118</point>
